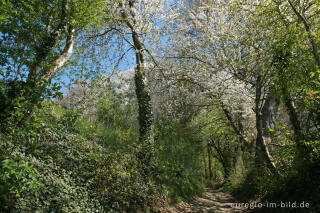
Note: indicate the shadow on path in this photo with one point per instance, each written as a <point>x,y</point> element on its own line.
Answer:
<point>212,201</point>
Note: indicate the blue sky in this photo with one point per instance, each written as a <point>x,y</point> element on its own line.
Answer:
<point>97,59</point>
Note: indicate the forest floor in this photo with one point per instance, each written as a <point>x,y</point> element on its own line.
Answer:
<point>213,200</point>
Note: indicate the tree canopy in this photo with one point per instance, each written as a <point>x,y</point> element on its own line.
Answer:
<point>165,99</point>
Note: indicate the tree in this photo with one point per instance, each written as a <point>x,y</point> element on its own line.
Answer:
<point>143,96</point>
<point>134,24</point>
<point>37,40</point>
<point>222,39</point>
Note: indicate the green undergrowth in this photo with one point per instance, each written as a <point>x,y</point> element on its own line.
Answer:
<point>61,162</point>
<point>178,154</point>
<point>297,184</point>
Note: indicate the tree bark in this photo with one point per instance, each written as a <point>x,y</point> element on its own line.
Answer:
<point>143,95</point>
<point>238,129</point>
<point>205,165</point>
<point>209,162</point>
<point>36,81</point>
<point>295,122</point>
<point>312,40</point>
<point>146,152</point>
<point>232,123</point>
<point>221,157</point>
<point>264,119</point>
<point>57,64</point>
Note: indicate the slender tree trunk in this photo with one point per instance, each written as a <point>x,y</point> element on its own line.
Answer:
<point>142,93</point>
<point>220,156</point>
<point>145,109</point>
<point>215,168</point>
<point>307,26</point>
<point>225,169</point>
<point>236,157</point>
<point>295,122</point>
<point>210,162</point>
<point>205,165</point>
<point>146,152</point>
<point>238,129</point>
<point>264,117</point>
<point>144,100</point>
<point>36,81</point>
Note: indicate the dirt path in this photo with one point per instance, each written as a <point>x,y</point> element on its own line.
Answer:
<point>212,201</point>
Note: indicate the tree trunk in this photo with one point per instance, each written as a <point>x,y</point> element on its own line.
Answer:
<point>307,26</point>
<point>209,162</point>
<point>144,100</point>
<point>37,80</point>
<point>222,159</point>
<point>215,168</point>
<point>238,129</point>
<point>295,122</point>
<point>205,165</point>
<point>143,95</point>
<point>145,111</point>
<point>265,111</point>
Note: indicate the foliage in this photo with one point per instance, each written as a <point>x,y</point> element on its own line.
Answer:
<point>17,178</point>
<point>221,92</point>
<point>178,159</point>
<point>63,169</point>
<point>37,40</point>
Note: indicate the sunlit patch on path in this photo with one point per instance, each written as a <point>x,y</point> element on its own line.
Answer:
<point>212,201</point>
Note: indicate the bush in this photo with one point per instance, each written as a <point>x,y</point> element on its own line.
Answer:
<point>54,164</point>
<point>178,172</point>
<point>296,184</point>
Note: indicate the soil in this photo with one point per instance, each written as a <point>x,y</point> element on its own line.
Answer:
<point>213,200</point>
